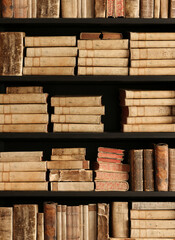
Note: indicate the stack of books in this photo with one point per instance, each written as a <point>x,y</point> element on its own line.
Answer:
<point>24,109</point>
<point>54,55</point>
<point>152,53</point>
<point>110,173</point>
<point>67,170</point>
<point>22,171</point>
<point>147,111</point>
<point>103,57</point>
<point>77,114</point>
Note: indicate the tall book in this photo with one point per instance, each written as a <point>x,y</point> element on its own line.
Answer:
<point>50,220</point>
<point>40,226</point>
<point>6,226</point>
<point>119,8</point>
<point>148,183</point>
<point>92,208</point>
<point>48,8</point>
<point>132,8</point>
<point>69,9</point>
<point>20,9</point>
<point>100,8</point>
<point>87,9</point>
<point>7,8</point>
<point>102,221</point>
<point>147,8</point>
<point>171,169</point>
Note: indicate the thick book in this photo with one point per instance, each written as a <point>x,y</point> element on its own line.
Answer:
<point>24,186</point>
<point>23,90</point>
<point>24,128</point>
<point>148,102</point>
<point>153,233</point>
<point>23,108</point>
<point>22,176</point>
<point>51,52</point>
<point>111,167</point>
<point>59,165</point>
<point>110,176</point>
<point>153,53</point>
<point>164,8</point>
<point>146,8</point>
<point>132,8</point>
<point>79,110</point>
<point>110,160</point>
<point>25,222</point>
<point>119,8</point>
<point>98,62</point>
<point>103,44</point>
<point>148,120</point>
<point>148,170</point>
<point>153,205</point>
<point>11,48</point>
<point>69,9</point>
<point>21,154</point>
<point>120,221</point>
<point>71,175</point>
<point>102,221</point>
<point>152,71</point>
<point>49,61</point>
<point>6,226</point>
<point>111,150</point>
<point>152,224</point>
<point>7,8</point>
<point>111,186</point>
<point>100,8</point>
<point>48,8</point>
<point>78,127</point>
<point>20,9</point>
<point>152,44</point>
<point>104,54</point>
<point>76,157</point>
<point>23,167</point>
<point>90,35</point>
<point>50,220</point>
<point>149,128</point>
<point>103,71</point>
<point>110,8</point>
<point>48,71</point>
<point>72,186</point>
<point>57,118</point>
<point>152,36</point>
<point>152,214</point>
<point>40,226</point>
<point>23,118</point>
<point>110,155</point>
<point>23,98</point>
<point>68,151</point>
<point>92,218</point>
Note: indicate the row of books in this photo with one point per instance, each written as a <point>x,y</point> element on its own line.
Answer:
<point>149,220</point>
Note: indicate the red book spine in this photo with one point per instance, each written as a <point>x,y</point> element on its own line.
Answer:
<point>109,160</point>
<point>112,167</point>
<point>119,8</point>
<point>110,176</point>
<point>111,186</point>
<point>7,8</point>
<point>110,150</point>
<point>110,8</point>
<point>109,155</point>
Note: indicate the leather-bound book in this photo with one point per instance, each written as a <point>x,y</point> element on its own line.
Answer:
<point>48,8</point>
<point>148,170</point>
<point>161,167</point>
<point>23,90</point>
<point>50,213</point>
<point>132,8</point>
<point>69,8</point>
<point>68,151</point>
<point>100,8</point>
<point>20,9</point>
<point>102,221</point>
<point>87,9</point>
<point>69,222</point>
<point>110,8</point>
<point>70,175</point>
<point>6,226</point>
<point>119,8</point>
<point>7,8</point>
<point>88,35</point>
<point>147,8</point>
<point>172,9</point>
<point>171,169</point>
<point>92,221</point>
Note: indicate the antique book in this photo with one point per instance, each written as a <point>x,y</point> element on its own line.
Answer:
<point>48,8</point>
<point>152,36</point>
<point>23,108</point>
<point>25,222</point>
<point>75,222</point>
<point>161,167</point>
<point>23,118</point>
<point>103,44</point>
<point>20,9</point>
<point>153,63</point>
<point>57,41</point>
<point>40,226</point>
<point>110,8</point>
<point>69,8</point>
<point>171,168</point>
<point>68,157</point>
<point>81,216</point>
<point>23,98</point>
<point>23,167</point>
<point>103,71</point>
<point>110,160</point>
<point>149,128</point>
<point>148,170</point>
<point>100,8</point>
<point>157,6</point>
<point>50,220</point>
<point>49,61</point>
<point>79,110</point>
<point>148,111</point>
<point>110,155</point>
<point>95,62</point>
<point>24,186</point>
<point>78,127</point>
<point>92,218</point>
<point>132,8</point>
<point>152,71</point>
<point>152,44</point>
<point>48,71</point>
<point>172,9</point>
<point>22,176</point>
<point>119,8</point>
<point>67,165</point>
<point>88,9</point>
<point>85,222</point>
<point>147,120</point>
<point>102,221</point>
<point>51,52</point>
<point>111,150</point>
<point>71,175</point>
<point>34,8</point>
<point>76,101</point>
<point>120,221</point>
<point>111,35</point>
<point>21,154</point>
<point>29,10</point>
<point>111,176</point>
<point>23,90</point>
<point>148,102</point>
<point>146,8</point>
<point>136,163</point>
<point>69,222</point>
<point>89,35</point>
<point>7,8</point>
<point>68,151</point>
<point>111,186</point>
<point>6,219</point>
<point>153,53</point>
<point>11,61</point>
<point>149,224</point>
<point>152,233</point>
<point>111,167</point>
<point>96,119</point>
<point>153,205</point>
<point>79,9</point>
<point>152,214</point>
<point>64,222</point>
<point>103,53</point>
<point>164,8</point>
<point>59,222</point>
<point>72,186</point>
<point>24,128</point>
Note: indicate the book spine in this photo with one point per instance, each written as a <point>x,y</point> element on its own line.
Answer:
<point>149,128</point>
<point>164,8</point>
<point>111,167</point>
<point>98,62</point>
<point>107,176</point>
<point>103,71</point>
<point>78,127</point>
<point>49,61</point>
<point>148,120</point>
<point>69,9</point>
<point>24,186</point>
<point>51,52</point>
<point>148,170</point>
<point>69,222</point>
<point>92,208</point>
<point>153,205</point>
<point>21,159</point>
<point>29,4</point>
<point>59,222</point>
<point>171,169</point>
<point>152,44</point>
<point>152,214</point>
<point>94,119</point>
<point>40,226</point>
<point>23,118</point>
<point>147,102</point>
<point>81,217</point>
<point>79,6</point>
<point>34,8</point>
<point>68,157</point>
<point>20,176</point>
<point>110,160</point>
<point>50,221</point>
<point>67,165</point>
<point>132,8</point>
<point>23,108</point>
<point>23,166</point>
<point>102,221</point>
<point>152,63</point>
<point>147,8</point>
<point>64,222</point>
<point>68,151</point>
<point>110,155</point>
<point>48,71</point>
<point>103,44</point>
<point>172,9</point>
<point>147,233</point>
<point>23,90</point>
<point>153,53</point>
<point>79,110</point>
<point>152,224</point>
<point>6,219</point>
<point>111,186</point>
<point>110,8</point>
<point>149,36</point>
<point>72,186</point>
<point>103,53</point>
<point>23,98</point>
<point>21,154</point>
<point>119,8</point>
<point>90,6</point>
<point>85,223</point>
<point>111,150</point>
<point>100,8</point>
<point>70,176</point>
<point>7,8</point>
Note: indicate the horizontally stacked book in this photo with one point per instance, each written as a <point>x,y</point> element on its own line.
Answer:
<point>147,111</point>
<point>67,170</point>
<point>22,171</point>
<point>77,114</point>
<point>153,169</point>
<point>110,173</point>
<point>54,55</point>
<point>152,53</point>
<point>103,57</point>
<point>24,109</point>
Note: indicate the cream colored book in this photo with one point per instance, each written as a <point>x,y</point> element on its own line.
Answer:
<point>141,238</point>
<point>78,127</point>
<point>96,119</point>
<point>23,90</point>
<point>152,71</point>
<point>153,53</point>
<point>148,102</point>
<point>59,222</point>
<point>24,128</point>
<point>23,118</point>
<point>68,165</point>
<point>21,159</point>
<point>40,226</point>
<point>6,226</point>
<point>103,71</point>
<point>155,224</point>
<point>79,101</point>
<point>103,53</point>
<point>157,233</point>
<point>152,44</point>
<point>23,98</point>
<point>153,205</point>
<point>52,52</point>
<point>92,219</point>
<point>69,9</point>
<point>23,167</point>
<point>48,71</point>
<point>152,63</point>
<point>157,6</point>
<point>68,151</point>
<point>147,93</point>
<point>24,186</point>
<point>85,222</point>
<point>22,176</point>
<point>72,186</point>
<point>71,175</point>
<point>68,157</point>
<point>103,44</point>
<point>152,214</point>
<point>149,120</point>
<point>21,154</point>
<point>164,8</point>
<point>59,41</point>
<point>149,128</point>
<point>23,108</point>
<point>98,62</point>
<point>64,222</point>
<point>79,9</point>
<point>152,36</point>
<point>81,222</point>
<point>79,110</point>
<point>49,61</point>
